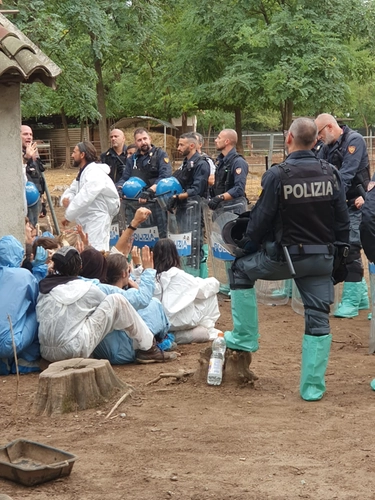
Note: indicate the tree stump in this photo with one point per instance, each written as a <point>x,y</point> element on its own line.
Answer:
<point>235,371</point>
<point>75,384</point>
<point>204,359</point>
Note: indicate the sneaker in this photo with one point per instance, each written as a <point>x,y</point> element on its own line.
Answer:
<point>155,355</point>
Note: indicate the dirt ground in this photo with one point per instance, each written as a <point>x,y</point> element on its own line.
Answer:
<point>191,441</point>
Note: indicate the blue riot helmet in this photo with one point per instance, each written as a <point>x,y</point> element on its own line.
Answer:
<point>132,188</point>
<point>32,194</point>
<point>166,188</point>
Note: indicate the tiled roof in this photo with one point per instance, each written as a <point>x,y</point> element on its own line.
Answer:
<point>21,60</point>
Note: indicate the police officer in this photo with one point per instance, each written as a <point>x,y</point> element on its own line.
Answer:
<point>150,164</point>
<point>116,155</point>
<point>301,215</point>
<point>193,176</point>
<point>367,227</point>
<point>193,173</point>
<point>346,149</point>
<point>209,160</point>
<point>34,169</point>
<point>231,170</point>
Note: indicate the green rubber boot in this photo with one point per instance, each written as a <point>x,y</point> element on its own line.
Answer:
<point>315,354</point>
<point>364,302</point>
<point>244,336</point>
<point>203,268</point>
<point>350,299</point>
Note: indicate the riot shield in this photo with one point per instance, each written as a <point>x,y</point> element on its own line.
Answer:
<point>185,229</point>
<point>214,221</point>
<point>114,233</point>
<point>149,232</point>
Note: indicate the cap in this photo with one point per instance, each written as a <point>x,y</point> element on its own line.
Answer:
<point>64,254</point>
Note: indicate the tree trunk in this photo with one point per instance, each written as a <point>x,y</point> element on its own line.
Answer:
<point>100,96</point>
<point>238,121</point>
<point>67,140</point>
<point>75,384</point>
<point>236,369</point>
<point>103,132</point>
<point>287,113</point>
<point>184,119</point>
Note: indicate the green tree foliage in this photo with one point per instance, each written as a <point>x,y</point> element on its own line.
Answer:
<point>208,57</point>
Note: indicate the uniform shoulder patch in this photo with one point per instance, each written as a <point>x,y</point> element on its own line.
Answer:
<point>166,160</point>
<point>238,170</point>
<point>371,185</point>
<point>351,149</point>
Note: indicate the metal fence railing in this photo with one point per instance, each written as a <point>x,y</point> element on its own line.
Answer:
<point>259,146</point>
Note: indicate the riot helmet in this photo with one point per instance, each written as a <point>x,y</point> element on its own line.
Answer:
<point>133,187</point>
<point>166,188</point>
<point>32,194</point>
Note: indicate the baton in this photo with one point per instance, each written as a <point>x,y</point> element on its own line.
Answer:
<point>289,261</point>
<point>139,197</point>
<point>55,223</point>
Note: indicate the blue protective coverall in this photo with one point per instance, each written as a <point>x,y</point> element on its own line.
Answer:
<point>18,296</point>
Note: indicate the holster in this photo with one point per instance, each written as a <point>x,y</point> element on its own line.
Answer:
<point>340,272</point>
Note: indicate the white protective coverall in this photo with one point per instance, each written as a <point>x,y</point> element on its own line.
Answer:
<point>188,301</point>
<point>94,201</point>
<point>75,316</point>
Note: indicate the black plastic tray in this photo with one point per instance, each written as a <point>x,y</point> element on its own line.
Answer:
<point>29,463</point>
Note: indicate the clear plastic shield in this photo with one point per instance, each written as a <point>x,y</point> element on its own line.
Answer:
<point>272,293</point>
<point>221,253</point>
<point>149,232</point>
<point>185,229</point>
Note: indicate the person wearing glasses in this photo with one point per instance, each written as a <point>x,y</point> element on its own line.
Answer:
<point>346,150</point>
<point>92,199</point>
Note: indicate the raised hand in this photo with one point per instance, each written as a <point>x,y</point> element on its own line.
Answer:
<point>147,258</point>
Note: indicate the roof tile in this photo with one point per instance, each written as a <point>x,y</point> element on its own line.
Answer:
<point>21,60</point>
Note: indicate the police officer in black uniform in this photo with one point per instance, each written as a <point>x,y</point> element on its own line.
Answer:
<point>150,164</point>
<point>193,173</point>
<point>367,227</point>
<point>293,230</point>
<point>34,169</point>
<point>346,150</point>
<point>193,176</point>
<point>231,170</point>
<point>116,155</point>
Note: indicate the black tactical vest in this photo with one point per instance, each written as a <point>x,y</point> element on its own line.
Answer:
<point>149,171</point>
<point>224,178</point>
<point>185,174</point>
<point>361,179</point>
<point>306,214</point>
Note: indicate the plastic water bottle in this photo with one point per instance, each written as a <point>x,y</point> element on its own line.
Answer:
<point>215,369</point>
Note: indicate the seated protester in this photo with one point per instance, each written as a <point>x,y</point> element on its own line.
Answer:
<point>30,235</point>
<point>42,251</point>
<point>30,232</point>
<point>188,301</point>
<point>74,315</point>
<point>18,296</point>
<point>117,347</point>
